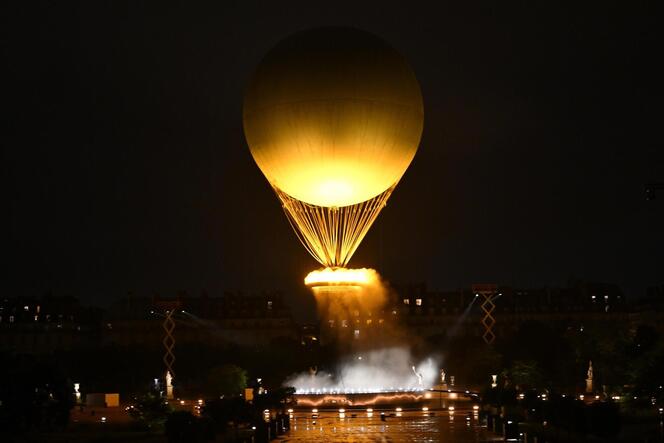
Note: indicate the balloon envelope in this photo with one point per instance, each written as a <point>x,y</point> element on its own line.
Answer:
<point>333,116</point>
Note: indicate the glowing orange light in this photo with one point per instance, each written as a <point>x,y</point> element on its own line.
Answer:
<point>369,399</point>
<point>340,277</point>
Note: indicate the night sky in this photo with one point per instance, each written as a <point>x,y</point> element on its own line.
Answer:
<point>126,166</point>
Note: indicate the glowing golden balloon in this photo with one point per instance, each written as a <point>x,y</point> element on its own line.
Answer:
<point>333,118</point>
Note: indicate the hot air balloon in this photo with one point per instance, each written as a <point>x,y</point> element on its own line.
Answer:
<point>333,118</point>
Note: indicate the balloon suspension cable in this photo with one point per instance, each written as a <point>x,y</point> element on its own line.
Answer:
<point>332,234</point>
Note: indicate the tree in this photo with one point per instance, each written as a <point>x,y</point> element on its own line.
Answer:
<point>276,399</point>
<point>647,373</point>
<point>226,380</point>
<point>150,410</point>
<point>35,395</point>
<point>605,421</point>
<point>526,374</point>
<point>545,346</point>
<point>473,360</point>
<point>184,427</point>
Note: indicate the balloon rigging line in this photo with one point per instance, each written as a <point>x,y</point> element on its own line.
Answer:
<point>332,234</point>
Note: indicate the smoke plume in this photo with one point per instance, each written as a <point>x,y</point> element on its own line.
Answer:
<point>358,318</point>
<point>373,371</point>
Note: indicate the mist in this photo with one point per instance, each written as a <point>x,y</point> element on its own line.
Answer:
<point>371,371</point>
<point>378,358</point>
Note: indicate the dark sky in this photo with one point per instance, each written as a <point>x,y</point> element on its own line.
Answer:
<point>127,169</point>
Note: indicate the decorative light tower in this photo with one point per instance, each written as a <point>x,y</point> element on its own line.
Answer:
<point>168,308</point>
<point>488,293</point>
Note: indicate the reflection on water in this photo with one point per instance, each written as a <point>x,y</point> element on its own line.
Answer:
<point>409,426</point>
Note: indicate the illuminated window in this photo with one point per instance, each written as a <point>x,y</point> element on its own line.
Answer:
<point>26,308</point>
<point>269,305</point>
<point>369,321</point>
<point>344,323</point>
<point>418,301</point>
<point>331,322</point>
<point>406,301</point>
<point>380,321</point>
<point>11,319</point>
<point>356,334</point>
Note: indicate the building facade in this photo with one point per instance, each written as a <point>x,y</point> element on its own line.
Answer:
<point>41,325</point>
<point>415,310</point>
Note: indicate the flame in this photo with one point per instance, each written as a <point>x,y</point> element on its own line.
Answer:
<point>340,277</point>
<point>321,400</point>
